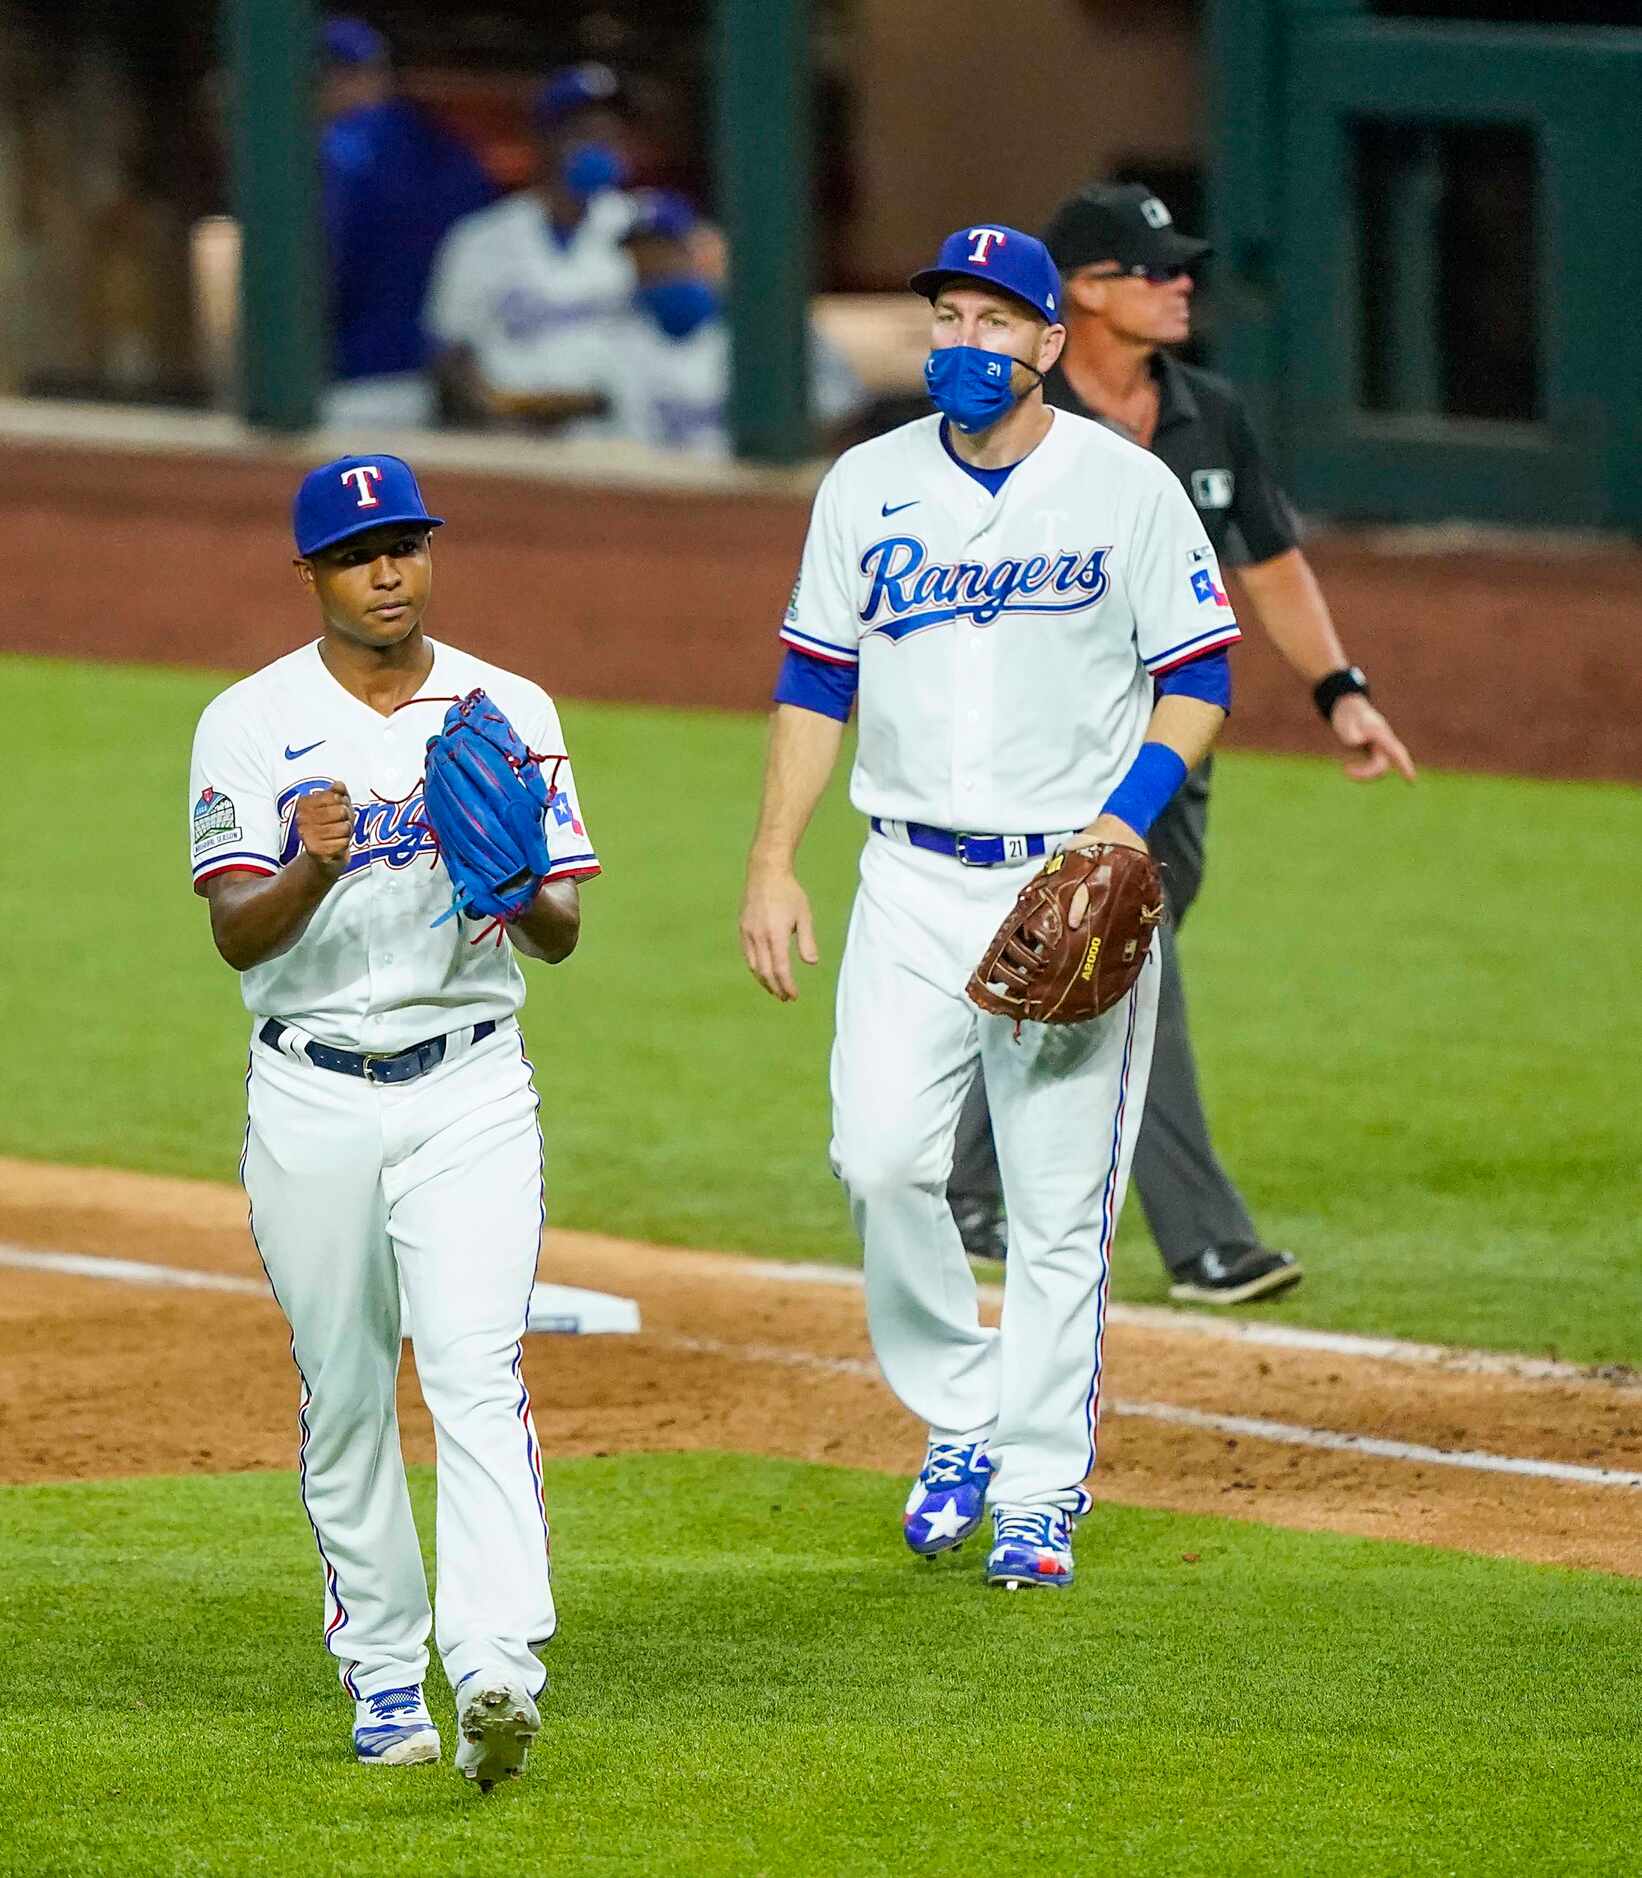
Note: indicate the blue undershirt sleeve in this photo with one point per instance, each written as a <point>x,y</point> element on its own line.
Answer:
<point>1208,678</point>
<point>817,685</point>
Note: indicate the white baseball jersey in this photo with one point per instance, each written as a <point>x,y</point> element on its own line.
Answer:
<point>1006,643</point>
<point>671,393</point>
<point>371,972</point>
<point>535,309</point>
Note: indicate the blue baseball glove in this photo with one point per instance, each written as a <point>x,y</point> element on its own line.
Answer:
<point>485,799</point>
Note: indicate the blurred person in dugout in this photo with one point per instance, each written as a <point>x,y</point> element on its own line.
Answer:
<point>1128,280</point>
<point>667,371</point>
<point>525,294</point>
<point>392,183</point>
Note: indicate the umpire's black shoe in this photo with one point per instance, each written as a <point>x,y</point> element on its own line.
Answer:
<point>983,1228</point>
<point>1234,1275</point>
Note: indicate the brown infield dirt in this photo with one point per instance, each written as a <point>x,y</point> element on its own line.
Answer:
<point>1520,656</point>
<point>101,1379</point>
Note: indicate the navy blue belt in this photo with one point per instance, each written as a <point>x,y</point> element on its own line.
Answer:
<point>403,1066</point>
<point>972,850</point>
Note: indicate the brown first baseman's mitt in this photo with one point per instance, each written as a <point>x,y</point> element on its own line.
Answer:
<point>1075,940</point>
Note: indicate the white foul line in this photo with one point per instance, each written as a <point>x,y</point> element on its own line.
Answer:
<point>773,1353</point>
<point>565,1309</point>
<point>1291,1436</point>
<point>1374,1349</point>
<point>1267,1335</point>
<point>130,1271</point>
<point>1288,1434</point>
<point>1255,1331</point>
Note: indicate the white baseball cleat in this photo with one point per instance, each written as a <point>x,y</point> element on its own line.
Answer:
<point>394,1729</point>
<point>497,1722</point>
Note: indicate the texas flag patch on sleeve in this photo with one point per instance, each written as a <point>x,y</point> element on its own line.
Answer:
<point>1207,590</point>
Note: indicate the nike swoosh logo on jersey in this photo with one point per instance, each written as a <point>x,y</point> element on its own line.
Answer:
<point>292,755</point>
<point>887,510</point>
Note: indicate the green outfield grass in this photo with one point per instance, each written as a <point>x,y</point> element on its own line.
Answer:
<point>753,1677</point>
<point>1416,1011</point>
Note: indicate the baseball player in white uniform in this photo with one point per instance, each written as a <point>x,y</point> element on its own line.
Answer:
<point>524,294</point>
<point>1032,619</point>
<point>669,364</point>
<point>392,1137</point>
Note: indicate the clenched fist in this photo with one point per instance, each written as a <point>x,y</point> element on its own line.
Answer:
<point>324,826</point>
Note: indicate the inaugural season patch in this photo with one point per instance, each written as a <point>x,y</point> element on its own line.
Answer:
<point>215,821</point>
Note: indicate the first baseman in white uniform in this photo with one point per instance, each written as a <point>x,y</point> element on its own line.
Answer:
<point>1032,619</point>
<point>392,1137</point>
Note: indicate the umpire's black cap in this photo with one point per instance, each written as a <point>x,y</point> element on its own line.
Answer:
<point>1122,222</point>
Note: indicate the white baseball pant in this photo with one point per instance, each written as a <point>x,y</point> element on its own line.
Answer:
<point>356,1187</point>
<point>1066,1105</point>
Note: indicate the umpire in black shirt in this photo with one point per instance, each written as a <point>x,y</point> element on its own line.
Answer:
<point>1127,294</point>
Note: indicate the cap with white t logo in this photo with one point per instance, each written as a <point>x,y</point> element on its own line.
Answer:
<point>999,257</point>
<point>353,494</point>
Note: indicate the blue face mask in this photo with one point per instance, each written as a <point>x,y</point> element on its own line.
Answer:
<point>971,385</point>
<point>592,167</point>
<point>678,304</point>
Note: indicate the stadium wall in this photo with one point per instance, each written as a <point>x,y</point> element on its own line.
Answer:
<point>1514,654</point>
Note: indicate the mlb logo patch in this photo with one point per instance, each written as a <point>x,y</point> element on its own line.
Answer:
<point>1208,594</point>
<point>1212,488</point>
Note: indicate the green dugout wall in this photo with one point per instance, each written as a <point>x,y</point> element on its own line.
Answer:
<point>1429,262</point>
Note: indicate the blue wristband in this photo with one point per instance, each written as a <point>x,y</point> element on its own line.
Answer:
<point>1148,786</point>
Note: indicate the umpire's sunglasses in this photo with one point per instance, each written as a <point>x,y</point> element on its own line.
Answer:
<point>1153,276</point>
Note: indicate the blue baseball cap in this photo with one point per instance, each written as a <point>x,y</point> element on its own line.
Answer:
<point>577,88</point>
<point>353,494</point>
<point>1000,257</point>
<point>660,213</point>
<point>350,41</point>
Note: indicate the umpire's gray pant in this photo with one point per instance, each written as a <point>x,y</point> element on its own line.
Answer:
<point>1189,1200</point>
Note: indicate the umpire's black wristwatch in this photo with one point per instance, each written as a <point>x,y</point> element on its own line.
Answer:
<point>1346,683</point>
